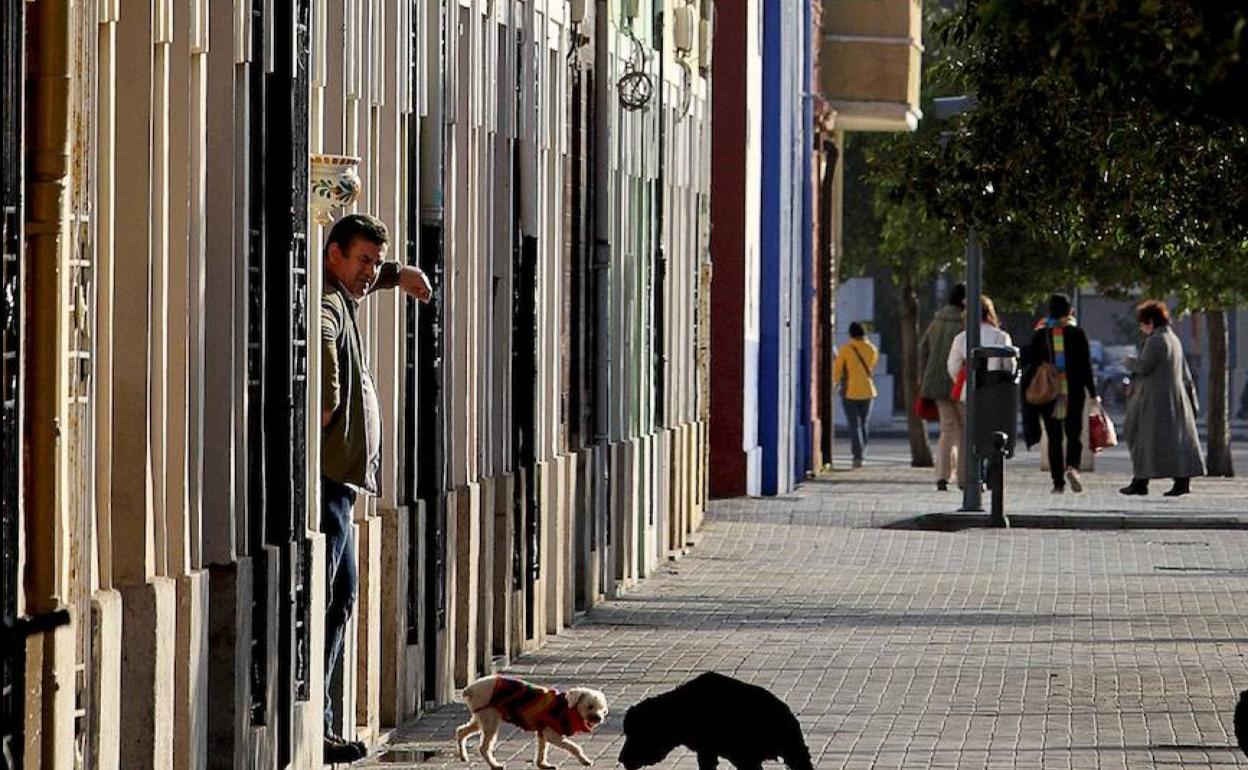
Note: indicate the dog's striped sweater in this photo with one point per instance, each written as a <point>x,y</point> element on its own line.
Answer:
<point>534,708</point>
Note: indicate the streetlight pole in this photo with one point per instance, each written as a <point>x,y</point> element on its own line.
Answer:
<point>972,499</point>
<point>946,108</point>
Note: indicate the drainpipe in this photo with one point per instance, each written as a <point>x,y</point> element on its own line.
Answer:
<point>658,410</point>
<point>48,175</point>
<point>604,111</point>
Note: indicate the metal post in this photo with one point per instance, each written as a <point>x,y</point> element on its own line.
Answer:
<point>971,498</point>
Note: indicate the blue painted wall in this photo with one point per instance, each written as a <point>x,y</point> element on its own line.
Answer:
<point>770,244</point>
<point>785,286</point>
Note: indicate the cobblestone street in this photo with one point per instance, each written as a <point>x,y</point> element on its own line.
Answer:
<point>901,648</point>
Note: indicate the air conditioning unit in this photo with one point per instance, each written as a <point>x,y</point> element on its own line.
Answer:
<point>706,37</point>
<point>576,11</point>
<point>684,27</point>
<point>629,8</point>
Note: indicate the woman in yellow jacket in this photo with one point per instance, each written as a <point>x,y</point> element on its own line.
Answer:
<point>852,371</point>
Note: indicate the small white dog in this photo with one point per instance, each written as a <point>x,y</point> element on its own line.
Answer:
<point>553,715</point>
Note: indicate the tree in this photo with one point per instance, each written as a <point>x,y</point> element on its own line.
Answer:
<point>908,237</point>
<point>915,249</point>
<point>1119,129</point>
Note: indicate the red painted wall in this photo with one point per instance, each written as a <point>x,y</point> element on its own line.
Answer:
<point>728,180</point>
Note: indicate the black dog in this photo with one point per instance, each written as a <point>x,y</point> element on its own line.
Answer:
<point>1241,721</point>
<point>715,716</point>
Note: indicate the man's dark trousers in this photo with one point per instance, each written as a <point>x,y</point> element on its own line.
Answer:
<point>341,581</point>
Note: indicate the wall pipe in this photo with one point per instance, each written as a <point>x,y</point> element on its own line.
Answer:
<point>46,223</point>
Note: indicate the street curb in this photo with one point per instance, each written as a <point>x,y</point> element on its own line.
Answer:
<point>957,522</point>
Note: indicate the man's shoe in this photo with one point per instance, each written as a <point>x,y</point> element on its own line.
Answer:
<point>1058,489</point>
<point>1181,487</point>
<point>1136,487</point>
<point>338,750</point>
<point>857,462</point>
<point>1074,479</point>
<point>942,486</point>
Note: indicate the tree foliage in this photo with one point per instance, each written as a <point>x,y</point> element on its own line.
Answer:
<point>1117,127</point>
<point>920,232</point>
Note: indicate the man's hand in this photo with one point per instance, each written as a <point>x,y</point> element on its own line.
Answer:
<point>414,281</point>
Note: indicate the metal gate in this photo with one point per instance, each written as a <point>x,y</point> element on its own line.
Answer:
<point>583,331</point>
<point>286,355</point>
<point>256,374</point>
<point>12,657</point>
<point>277,363</point>
<point>524,377</point>
<point>411,350</point>
<point>431,480</point>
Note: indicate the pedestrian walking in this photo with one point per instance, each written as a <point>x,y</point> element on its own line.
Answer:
<point>854,370</point>
<point>354,267</point>
<point>1058,380</point>
<point>990,334</point>
<point>937,385</point>
<point>1161,416</point>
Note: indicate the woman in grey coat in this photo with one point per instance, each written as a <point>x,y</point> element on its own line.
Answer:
<point>1161,417</point>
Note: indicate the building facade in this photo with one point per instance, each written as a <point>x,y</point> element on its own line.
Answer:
<point>546,162</point>
<point>810,71</point>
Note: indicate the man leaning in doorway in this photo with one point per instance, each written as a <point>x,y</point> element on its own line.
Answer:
<point>354,266</point>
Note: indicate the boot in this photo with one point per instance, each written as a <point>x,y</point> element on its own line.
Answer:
<point>1136,487</point>
<point>1181,487</point>
<point>340,751</point>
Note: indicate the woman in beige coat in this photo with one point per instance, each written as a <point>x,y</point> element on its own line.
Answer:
<point>937,385</point>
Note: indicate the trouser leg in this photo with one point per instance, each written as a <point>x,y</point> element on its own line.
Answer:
<point>964,457</point>
<point>950,443</point>
<point>856,414</point>
<point>1074,434</point>
<point>1054,430</point>
<point>341,578</point>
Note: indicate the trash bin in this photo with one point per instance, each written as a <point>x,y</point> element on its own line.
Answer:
<point>994,405</point>
<point>995,402</point>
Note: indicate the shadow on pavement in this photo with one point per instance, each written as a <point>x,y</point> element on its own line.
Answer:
<point>959,522</point>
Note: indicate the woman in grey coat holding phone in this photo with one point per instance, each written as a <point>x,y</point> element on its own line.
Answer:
<point>1161,416</point>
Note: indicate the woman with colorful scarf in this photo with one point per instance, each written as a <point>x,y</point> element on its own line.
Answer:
<point>1058,340</point>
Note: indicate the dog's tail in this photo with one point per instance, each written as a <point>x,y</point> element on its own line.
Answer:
<point>796,754</point>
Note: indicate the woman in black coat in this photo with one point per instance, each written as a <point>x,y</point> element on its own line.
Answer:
<point>1059,341</point>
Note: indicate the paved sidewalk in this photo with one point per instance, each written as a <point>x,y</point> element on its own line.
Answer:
<point>1026,648</point>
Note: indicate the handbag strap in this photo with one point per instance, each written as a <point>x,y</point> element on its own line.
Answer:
<point>861,360</point>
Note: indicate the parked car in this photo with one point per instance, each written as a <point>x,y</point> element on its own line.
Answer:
<point>1113,378</point>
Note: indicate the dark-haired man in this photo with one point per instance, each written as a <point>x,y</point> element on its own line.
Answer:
<point>354,266</point>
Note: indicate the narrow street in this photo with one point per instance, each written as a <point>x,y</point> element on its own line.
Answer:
<point>899,648</point>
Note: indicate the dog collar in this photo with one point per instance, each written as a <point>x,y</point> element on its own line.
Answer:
<point>576,723</point>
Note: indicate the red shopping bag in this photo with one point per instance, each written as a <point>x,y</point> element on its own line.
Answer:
<point>1101,432</point>
<point>958,385</point>
<point>925,409</point>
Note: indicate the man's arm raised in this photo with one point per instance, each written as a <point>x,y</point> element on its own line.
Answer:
<point>412,280</point>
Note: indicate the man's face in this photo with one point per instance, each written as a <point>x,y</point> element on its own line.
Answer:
<point>356,268</point>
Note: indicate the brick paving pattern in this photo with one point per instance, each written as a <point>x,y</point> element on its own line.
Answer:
<point>1025,648</point>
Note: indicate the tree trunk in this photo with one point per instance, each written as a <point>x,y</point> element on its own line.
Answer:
<point>920,450</point>
<point>1219,406</point>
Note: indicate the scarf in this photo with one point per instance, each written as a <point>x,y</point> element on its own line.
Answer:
<point>1056,326</point>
